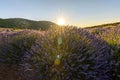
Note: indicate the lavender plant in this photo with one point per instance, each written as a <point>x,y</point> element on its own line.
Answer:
<point>14,46</point>
<point>112,36</point>
<point>79,56</point>
<point>62,53</point>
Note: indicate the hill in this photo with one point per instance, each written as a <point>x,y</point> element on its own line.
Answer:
<point>105,25</point>
<point>25,23</point>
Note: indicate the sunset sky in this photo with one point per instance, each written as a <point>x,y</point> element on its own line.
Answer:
<point>74,12</point>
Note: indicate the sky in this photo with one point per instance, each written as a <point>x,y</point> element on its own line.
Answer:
<point>75,12</point>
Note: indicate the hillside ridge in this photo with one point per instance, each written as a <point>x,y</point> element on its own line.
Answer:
<point>25,23</point>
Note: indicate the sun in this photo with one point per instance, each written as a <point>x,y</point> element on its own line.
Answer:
<point>61,21</point>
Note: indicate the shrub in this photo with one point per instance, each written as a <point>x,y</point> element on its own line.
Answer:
<point>12,50</point>
<point>67,53</point>
<point>112,37</point>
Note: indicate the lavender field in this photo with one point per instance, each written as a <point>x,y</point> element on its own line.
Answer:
<point>60,53</point>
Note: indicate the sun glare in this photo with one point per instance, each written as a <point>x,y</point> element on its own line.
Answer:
<point>61,21</point>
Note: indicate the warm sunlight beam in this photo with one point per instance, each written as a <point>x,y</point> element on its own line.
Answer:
<point>61,21</point>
